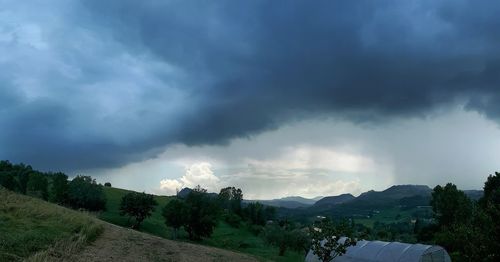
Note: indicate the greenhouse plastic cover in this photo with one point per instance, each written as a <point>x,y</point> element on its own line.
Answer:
<point>371,251</point>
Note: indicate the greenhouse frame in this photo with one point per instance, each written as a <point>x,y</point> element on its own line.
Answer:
<point>380,251</point>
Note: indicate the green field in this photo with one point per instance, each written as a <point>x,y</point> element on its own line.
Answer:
<point>388,215</point>
<point>32,229</point>
<point>154,225</point>
<point>224,236</point>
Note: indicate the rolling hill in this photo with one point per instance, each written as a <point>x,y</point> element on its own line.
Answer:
<point>36,230</point>
<point>334,200</point>
<point>32,229</point>
<point>224,236</point>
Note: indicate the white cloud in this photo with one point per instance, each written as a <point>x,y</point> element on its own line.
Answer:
<point>196,174</point>
<point>316,157</point>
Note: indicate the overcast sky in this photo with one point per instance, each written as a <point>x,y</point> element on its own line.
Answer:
<point>279,98</point>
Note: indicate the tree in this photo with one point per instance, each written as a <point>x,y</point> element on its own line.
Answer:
<point>84,192</point>
<point>138,206</point>
<point>259,214</point>
<point>23,176</point>
<point>37,185</point>
<point>450,205</point>
<point>59,190</point>
<point>7,177</point>
<point>8,180</point>
<point>230,198</point>
<point>107,184</point>
<point>490,205</point>
<point>201,214</point>
<point>464,228</point>
<point>326,239</point>
<point>175,215</point>
<point>286,237</point>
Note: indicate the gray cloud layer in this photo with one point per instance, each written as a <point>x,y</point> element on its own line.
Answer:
<point>99,84</point>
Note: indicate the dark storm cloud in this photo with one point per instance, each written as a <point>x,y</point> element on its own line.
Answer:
<point>208,71</point>
<point>266,58</point>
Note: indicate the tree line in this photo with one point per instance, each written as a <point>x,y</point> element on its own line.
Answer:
<point>199,212</point>
<point>82,192</point>
<point>469,230</point>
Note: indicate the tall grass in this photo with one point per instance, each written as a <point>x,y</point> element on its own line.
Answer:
<point>35,230</point>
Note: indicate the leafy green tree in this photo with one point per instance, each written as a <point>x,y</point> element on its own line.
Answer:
<point>138,206</point>
<point>465,229</point>
<point>175,214</point>
<point>325,238</point>
<point>259,214</point>
<point>59,190</point>
<point>7,176</point>
<point>230,198</point>
<point>286,237</point>
<point>201,214</point>
<point>84,192</point>
<point>37,185</point>
<point>490,205</point>
<point>107,184</point>
<point>8,180</point>
<point>22,177</point>
<point>450,205</point>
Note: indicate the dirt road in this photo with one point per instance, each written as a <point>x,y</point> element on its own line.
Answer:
<point>121,244</point>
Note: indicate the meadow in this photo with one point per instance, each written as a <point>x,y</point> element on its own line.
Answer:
<point>224,236</point>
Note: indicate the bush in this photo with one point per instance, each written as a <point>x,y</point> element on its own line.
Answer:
<point>286,237</point>
<point>84,192</point>
<point>107,184</point>
<point>255,229</point>
<point>232,219</point>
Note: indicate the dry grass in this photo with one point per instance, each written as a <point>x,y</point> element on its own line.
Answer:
<point>36,230</point>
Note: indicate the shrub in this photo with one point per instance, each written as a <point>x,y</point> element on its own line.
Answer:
<point>232,219</point>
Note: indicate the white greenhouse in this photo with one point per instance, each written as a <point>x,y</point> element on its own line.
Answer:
<point>379,251</point>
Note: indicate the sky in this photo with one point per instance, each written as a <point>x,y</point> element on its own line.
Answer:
<point>279,98</point>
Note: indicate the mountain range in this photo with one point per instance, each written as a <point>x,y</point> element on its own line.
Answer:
<point>397,195</point>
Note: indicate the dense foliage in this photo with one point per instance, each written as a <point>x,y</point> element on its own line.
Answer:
<point>81,192</point>
<point>468,230</point>
<point>84,192</point>
<point>286,235</point>
<point>138,206</point>
<point>258,214</point>
<point>325,235</point>
<point>175,214</point>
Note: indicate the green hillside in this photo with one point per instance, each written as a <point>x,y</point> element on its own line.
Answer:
<point>224,236</point>
<point>32,229</point>
<point>154,225</point>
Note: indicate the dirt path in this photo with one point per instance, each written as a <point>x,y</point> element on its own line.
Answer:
<point>121,244</point>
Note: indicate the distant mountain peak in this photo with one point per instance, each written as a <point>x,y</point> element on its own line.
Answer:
<point>334,200</point>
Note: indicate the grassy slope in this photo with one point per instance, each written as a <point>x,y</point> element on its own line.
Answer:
<point>154,224</point>
<point>34,229</point>
<point>224,236</point>
<point>387,215</point>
